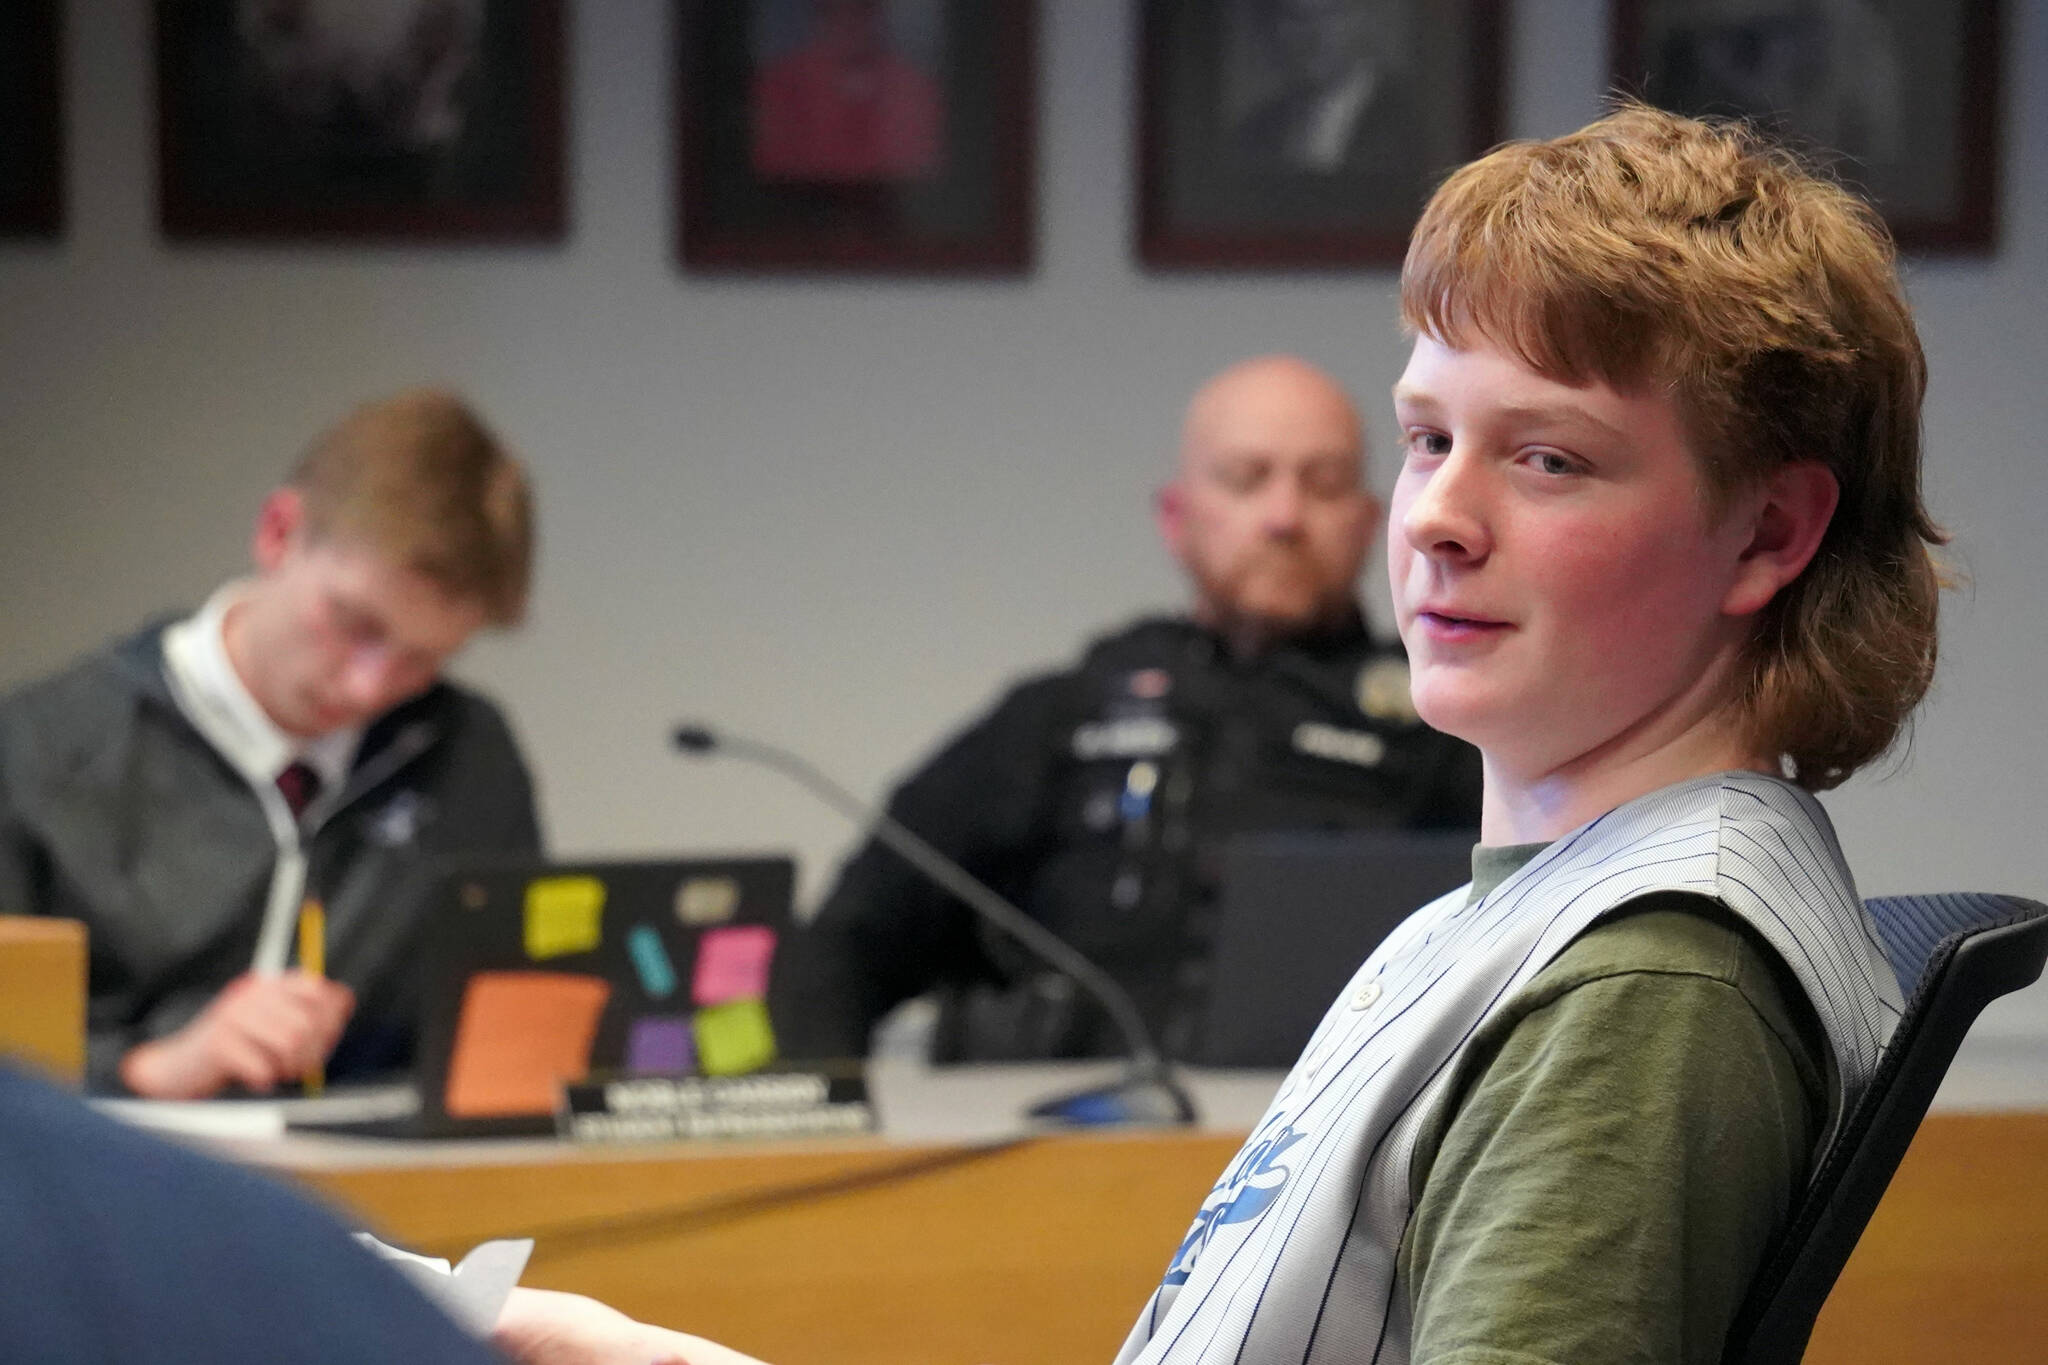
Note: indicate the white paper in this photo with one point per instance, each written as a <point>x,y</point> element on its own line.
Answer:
<point>241,1120</point>
<point>474,1291</point>
<point>263,1119</point>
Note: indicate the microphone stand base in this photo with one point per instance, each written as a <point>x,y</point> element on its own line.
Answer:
<point>1136,1099</point>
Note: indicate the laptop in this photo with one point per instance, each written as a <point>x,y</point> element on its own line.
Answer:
<point>539,974</point>
<point>1296,915</point>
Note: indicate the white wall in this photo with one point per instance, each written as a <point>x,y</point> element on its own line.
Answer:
<point>842,513</point>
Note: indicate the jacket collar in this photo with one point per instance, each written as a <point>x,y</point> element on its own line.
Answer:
<point>208,689</point>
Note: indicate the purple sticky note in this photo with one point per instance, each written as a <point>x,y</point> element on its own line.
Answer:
<point>660,1044</point>
<point>732,964</point>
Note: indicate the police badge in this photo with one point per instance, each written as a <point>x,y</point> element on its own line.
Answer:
<point>1383,692</point>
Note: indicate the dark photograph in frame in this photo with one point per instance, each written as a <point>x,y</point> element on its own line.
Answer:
<point>1305,133</point>
<point>1898,97</point>
<point>31,124</point>
<point>858,135</point>
<point>407,120</point>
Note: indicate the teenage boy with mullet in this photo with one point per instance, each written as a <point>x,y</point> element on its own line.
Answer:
<point>184,791</point>
<point>1658,550</point>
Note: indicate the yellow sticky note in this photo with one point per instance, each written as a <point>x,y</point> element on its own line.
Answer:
<point>734,1037</point>
<point>563,915</point>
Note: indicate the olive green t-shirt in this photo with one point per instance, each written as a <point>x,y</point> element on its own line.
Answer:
<point>1618,1146</point>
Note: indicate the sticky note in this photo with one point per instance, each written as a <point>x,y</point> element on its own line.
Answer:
<point>563,915</point>
<point>707,900</point>
<point>660,1044</point>
<point>734,1038</point>
<point>519,1036</point>
<point>732,964</point>
<point>650,960</point>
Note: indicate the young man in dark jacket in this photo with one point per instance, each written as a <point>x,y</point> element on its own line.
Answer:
<point>188,791</point>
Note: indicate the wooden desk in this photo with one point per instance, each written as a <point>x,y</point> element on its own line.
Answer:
<point>1037,1252</point>
<point>42,994</point>
<point>956,1241</point>
<point>963,1249</point>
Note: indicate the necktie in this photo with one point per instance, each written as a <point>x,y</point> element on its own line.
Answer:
<point>300,784</point>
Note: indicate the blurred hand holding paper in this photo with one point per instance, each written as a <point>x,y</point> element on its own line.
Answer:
<point>548,1327</point>
<point>473,1292</point>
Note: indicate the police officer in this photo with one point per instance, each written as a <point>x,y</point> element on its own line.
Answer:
<point>1099,799</point>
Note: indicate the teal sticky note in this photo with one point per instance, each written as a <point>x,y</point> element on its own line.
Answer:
<point>650,960</point>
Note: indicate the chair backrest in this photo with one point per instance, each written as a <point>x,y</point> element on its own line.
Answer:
<point>1953,955</point>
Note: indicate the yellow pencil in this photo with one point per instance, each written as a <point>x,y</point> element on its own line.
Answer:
<point>313,961</point>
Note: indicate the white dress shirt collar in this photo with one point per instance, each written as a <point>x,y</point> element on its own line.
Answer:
<point>215,699</point>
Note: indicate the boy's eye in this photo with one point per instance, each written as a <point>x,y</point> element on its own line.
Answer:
<point>1431,443</point>
<point>1550,462</point>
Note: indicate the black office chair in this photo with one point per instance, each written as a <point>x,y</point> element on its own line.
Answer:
<point>1953,955</point>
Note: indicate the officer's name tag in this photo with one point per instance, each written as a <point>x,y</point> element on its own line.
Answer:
<point>1129,737</point>
<point>1318,740</point>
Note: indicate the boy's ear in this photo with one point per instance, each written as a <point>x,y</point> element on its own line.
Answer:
<point>278,522</point>
<point>1791,514</point>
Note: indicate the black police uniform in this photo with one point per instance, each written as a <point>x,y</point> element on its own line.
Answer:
<point>1099,800</point>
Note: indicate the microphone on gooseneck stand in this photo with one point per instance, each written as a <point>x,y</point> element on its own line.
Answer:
<point>1148,1092</point>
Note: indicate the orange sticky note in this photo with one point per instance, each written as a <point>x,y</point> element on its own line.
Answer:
<point>519,1037</point>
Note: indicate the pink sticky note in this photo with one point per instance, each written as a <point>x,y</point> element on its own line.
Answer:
<point>732,964</point>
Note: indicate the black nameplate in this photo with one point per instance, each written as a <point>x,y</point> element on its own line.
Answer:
<point>762,1104</point>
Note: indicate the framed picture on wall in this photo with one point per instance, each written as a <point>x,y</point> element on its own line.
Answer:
<point>877,135</point>
<point>1290,133</point>
<point>1900,97</point>
<point>408,120</point>
<point>31,125</point>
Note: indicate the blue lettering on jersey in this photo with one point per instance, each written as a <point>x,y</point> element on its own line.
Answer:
<point>1247,1190</point>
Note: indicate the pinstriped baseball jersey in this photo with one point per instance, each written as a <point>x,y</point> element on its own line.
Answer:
<point>1291,1259</point>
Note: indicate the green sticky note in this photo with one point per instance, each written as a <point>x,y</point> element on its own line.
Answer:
<point>734,1038</point>
<point>563,915</point>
